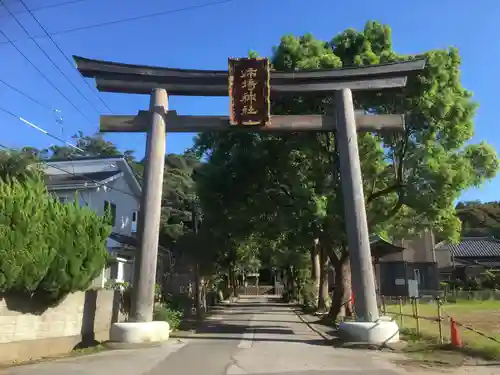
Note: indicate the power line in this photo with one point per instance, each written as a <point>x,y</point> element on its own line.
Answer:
<point>62,53</point>
<point>36,101</point>
<point>130,19</point>
<point>44,76</point>
<point>9,112</point>
<point>29,123</point>
<point>47,7</point>
<point>49,58</point>
<point>47,162</point>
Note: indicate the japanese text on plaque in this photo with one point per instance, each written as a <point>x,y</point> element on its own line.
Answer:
<point>249,91</point>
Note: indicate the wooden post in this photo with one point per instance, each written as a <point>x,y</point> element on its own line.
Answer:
<point>354,206</point>
<point>401,316</point>
<point>440,320</point>
<point>150,211</point>
<point>417,317</point>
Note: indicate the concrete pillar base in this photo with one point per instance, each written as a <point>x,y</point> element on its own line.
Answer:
<point>384,331</point>
<point>139,332</point>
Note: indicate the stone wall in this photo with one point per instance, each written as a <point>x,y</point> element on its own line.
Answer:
<point>29,332</point>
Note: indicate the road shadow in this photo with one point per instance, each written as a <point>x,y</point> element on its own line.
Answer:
<point>229,321</point>
<point>218,330</point>
<point>316,342</point>
<point>224,328</point>
<point>482,364</point>
<point>256,312</point>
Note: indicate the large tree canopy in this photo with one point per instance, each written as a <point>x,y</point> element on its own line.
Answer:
<point>292,181</point>
<point>479,219</point>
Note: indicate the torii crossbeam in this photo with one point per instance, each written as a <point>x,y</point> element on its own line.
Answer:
<point>157,82</point>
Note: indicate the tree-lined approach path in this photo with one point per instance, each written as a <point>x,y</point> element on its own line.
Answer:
<point>257,335</point>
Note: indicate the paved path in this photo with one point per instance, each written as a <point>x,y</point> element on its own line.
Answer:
<point>254,336</point>
<point>258,336</point>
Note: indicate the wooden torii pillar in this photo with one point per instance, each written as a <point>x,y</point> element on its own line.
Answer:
<point>158,120</point>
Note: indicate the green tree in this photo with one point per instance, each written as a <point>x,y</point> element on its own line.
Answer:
<point>479,219</point>
<point>18,164</point>
<point>94,145</point>
<point>179,195</point>
<point>291,182</point>
<point>47,249</point>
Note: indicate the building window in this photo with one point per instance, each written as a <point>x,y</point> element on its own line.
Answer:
<point>111,208</point>
<point>134,221</point>
<point>416,275</point>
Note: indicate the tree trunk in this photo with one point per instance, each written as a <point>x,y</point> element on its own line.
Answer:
<point>316,270</point>
<point>323,284</point>
<point>291,283</point>
<point>203,297</point>
<point>342,305</point>
<point>198,291</point>
<point>232,281</point>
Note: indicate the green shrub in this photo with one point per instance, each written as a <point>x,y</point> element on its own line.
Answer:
<point>47,249</point>
<point>309,294</point>
<point>26,251</point>
<point>166,313</point>
<point>180,302</point>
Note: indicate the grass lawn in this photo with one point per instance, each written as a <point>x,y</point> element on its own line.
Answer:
<point>483,316</point>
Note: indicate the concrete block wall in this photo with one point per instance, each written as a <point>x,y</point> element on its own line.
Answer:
<point>26,333</point>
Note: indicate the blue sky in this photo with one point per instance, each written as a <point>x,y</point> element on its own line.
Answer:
<point>203,38</point>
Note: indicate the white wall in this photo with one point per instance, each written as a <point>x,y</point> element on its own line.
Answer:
<point>115,193</point>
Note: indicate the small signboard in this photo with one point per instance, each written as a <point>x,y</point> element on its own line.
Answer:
<point>400,282</point>
<point>412,288</point>
<point>249,91</point>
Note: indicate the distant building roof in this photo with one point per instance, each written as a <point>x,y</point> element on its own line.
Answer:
<point>62,180</point>
<point>88,172</point>
<point>131,241</point>
<point>381,247</point>
<point>486,262</point>
<point>473,247</point>
<point>78,157</point>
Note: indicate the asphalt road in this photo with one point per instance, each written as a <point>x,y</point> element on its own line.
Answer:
<point>257,335</point>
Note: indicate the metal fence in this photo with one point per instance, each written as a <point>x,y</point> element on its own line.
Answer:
<point>259,290</point>
<point>438,320</point>
<point>450,295</point>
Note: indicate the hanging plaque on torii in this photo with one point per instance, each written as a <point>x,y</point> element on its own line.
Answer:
<point>249,92</point>
<point>246,116</point>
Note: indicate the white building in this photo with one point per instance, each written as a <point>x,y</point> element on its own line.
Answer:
<point>100,182</point>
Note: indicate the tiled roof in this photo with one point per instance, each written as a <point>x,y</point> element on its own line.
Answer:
<point>123,239</point>
<point>381,247</point>
<point>473,247</point>
<point>130,241</point>
<point>488,264</point>
<point>66,179</point>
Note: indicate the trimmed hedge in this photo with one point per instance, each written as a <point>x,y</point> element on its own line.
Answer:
<point>47,249</point>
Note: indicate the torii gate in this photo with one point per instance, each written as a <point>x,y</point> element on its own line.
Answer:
<point>158,81</point>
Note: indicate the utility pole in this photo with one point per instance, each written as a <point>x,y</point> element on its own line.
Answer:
<point>358,238</point>
<point>150,211</point>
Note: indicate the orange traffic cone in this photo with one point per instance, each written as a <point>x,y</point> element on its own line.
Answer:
<point>455,334</point>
